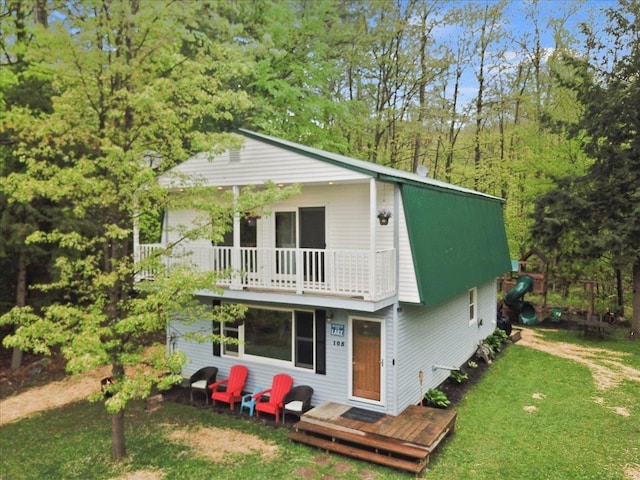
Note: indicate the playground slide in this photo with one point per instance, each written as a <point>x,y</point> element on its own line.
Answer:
<point>515,300</point>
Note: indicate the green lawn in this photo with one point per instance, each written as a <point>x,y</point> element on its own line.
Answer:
<point>569,436</point>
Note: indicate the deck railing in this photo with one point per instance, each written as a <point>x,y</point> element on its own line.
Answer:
<point>355,273</point>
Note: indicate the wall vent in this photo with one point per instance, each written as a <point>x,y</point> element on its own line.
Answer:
<point>234,155</point>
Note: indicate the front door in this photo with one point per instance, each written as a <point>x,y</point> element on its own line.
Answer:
<point>366,355</point>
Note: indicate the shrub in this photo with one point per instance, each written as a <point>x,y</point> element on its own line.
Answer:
<point>472,364</point>
<point>436,398</point>
<point>495,340</point>
<point>458,377</point>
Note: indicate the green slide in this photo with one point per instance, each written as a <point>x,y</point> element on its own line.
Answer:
<point>515,300</point>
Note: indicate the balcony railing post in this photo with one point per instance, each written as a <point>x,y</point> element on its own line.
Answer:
<point>236,280</point>
<point>299,263</point>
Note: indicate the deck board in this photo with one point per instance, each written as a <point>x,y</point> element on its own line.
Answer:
<point>416,429</point>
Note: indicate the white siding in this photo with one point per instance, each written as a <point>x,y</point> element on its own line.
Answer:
<point>439,335</point>
<point>259,162</point>
<point>330,387</point>
<point>347,217</point>
<point>407,283</point>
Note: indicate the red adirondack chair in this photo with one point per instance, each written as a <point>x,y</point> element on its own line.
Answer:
<point>280,386</point>
<point>235,384</point>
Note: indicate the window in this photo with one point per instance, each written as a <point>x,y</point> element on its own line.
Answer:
<point>267,333</point>
<point>230,330</point>
<point>473,305</point>
<point>248,234</point>
<point>285,337</point>
<point>304,339</point>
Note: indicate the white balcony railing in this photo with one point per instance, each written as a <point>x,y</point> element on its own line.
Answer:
<point>330,271</point>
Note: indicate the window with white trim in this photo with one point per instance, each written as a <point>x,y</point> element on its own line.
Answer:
<point>277,336</point>
<point>473,305</point>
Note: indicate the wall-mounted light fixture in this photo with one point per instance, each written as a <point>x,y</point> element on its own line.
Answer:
<point>329,315</point>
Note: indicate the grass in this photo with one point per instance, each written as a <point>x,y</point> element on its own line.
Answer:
<point>570,436</point>
<point>74,443</point>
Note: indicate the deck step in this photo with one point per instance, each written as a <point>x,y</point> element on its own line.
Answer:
<point>360,453</point>
<point>372,441</point>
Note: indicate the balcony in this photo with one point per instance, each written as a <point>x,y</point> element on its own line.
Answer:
<point>353,273</point>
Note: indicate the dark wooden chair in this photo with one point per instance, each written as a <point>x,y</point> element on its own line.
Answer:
<point>200,381</point>
<point>297,401</point>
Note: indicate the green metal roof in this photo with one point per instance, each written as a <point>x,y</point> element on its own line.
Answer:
<point>458,241</point>
<point>457,235</point>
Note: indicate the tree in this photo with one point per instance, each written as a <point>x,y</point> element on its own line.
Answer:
<point>598,214</point>
<point>130,77</point>
<point>21,88</point>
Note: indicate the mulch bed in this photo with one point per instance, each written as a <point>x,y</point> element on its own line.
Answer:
<point>455,391</point>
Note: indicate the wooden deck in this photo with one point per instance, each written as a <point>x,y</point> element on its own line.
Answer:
<point>403,442</point>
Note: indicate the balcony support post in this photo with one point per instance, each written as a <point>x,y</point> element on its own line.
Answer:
<point>236,281</point>
<point>373,202</point>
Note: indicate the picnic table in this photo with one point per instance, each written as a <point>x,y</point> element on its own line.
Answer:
<point>595,323</point>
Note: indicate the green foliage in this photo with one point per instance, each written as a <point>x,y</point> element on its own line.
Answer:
<point>594,215</point>
<point>472,364</point>
<point>458,377</point>
<point>436,398</point>
<point>87,156</point>
<point>495,340</point>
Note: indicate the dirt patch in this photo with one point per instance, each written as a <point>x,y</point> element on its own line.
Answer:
<point>142,475</point>
<point>217,443</point>
<point>605,366</point>
<point>51,395</point>
<point>632,472</point>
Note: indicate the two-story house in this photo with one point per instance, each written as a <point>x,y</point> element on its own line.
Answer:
<point>368,314</point>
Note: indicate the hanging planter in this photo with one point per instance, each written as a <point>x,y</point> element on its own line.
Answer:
<point>383,216</point>
<point>252,219</point>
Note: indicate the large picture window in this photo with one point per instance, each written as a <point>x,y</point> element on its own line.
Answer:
<point>276,335</point>
<point>267,333</point>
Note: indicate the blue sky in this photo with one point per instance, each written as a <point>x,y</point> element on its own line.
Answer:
<point>520,28</point>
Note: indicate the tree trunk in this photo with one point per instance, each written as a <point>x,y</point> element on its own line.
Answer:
<point>635,321</point>
<point>21,301</point>
<point>118,448</point>
<point>619,293</point>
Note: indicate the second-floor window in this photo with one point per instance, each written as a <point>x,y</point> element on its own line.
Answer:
<point>248,235</point>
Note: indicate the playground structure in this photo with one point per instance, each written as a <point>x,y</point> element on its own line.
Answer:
<point>514,300</point>
<point>529,275</point>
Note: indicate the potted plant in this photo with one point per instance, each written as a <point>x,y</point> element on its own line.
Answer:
<point>384,215</point>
